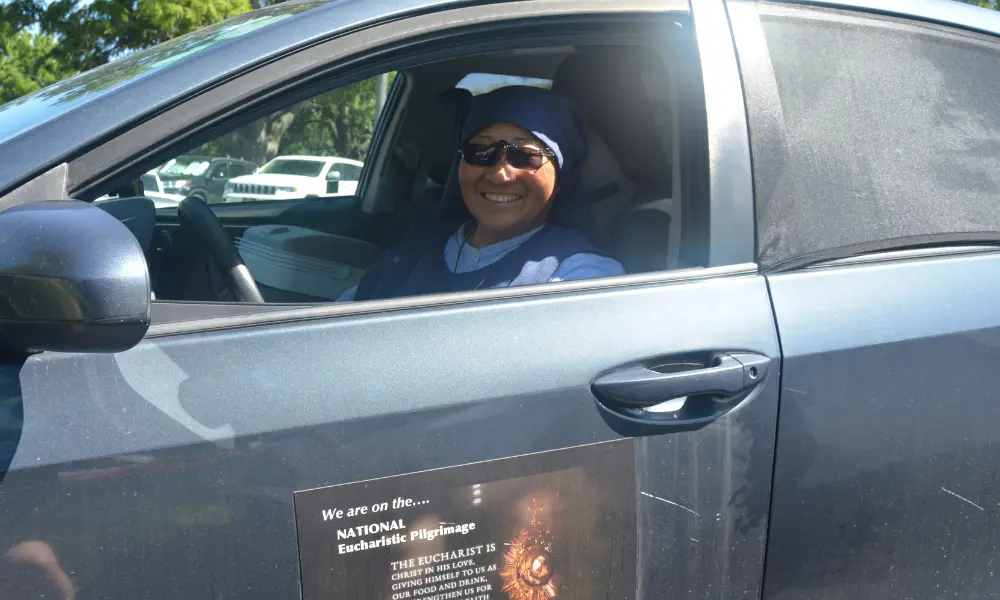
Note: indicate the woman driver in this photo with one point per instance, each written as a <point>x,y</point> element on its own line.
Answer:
<point>514,211</point>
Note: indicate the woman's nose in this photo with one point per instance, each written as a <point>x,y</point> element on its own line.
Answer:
<point>501,172</point>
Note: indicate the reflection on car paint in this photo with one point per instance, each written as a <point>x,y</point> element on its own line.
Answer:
<point>157,378</point>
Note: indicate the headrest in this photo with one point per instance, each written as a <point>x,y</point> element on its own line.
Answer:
<point>439,135</point>
<point>620,93</point>
<point>608,188</point>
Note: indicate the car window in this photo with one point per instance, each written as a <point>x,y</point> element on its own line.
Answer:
<point>220,169</point>
<point>237,169</point>
<point>345,172</point>
<point>892,136</point>
<point>285,153</point>
<point>186,165</point>
<point>480,83</point>
<point>306,235</point>
<point>301,167</point>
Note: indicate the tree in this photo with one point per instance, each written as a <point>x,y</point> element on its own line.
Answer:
<point>27,64</point>
<point>72,38</point>
<point>338,123</point>
<point>92,34</point>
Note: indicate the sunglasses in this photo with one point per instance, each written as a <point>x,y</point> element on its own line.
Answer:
<point>519,157</point>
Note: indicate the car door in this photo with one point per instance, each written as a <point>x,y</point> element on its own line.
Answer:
<point>200,462</point>
<point>219,175</point>
<point>874,140</point>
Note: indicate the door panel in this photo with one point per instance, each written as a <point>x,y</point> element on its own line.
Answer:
<point>351,248</point>
<point>886,471</point>
<point>169,470</point>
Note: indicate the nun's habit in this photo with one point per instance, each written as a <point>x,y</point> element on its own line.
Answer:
<point>433,257</point>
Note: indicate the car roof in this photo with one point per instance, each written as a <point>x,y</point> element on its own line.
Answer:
<point>44,128</point>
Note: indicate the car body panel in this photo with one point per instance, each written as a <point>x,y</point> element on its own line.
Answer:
<point>184,452</point>
<point>886,469</point>
<point>169,470</point>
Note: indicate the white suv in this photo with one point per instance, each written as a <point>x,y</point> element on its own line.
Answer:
<point>286,177</point>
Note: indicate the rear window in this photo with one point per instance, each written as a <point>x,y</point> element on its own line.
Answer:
<point>186,166</point>
<point>893,136</point>
<point>480,83</point>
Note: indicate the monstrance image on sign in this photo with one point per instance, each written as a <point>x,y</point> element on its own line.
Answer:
<point>553,525</point>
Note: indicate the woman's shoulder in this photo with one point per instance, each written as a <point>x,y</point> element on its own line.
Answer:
<point>586,265</point>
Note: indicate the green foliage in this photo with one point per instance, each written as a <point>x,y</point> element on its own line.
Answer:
<point>27,64</point>
<point>338,123</point>
<point>92,34</point>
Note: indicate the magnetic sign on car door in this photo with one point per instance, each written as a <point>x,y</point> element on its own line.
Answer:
<point>559,524</point>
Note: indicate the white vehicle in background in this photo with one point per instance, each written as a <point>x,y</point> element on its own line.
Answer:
<point>154,190</point>
<point>287,177</point>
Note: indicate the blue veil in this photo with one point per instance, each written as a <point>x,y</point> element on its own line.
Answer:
<point>550,118</point>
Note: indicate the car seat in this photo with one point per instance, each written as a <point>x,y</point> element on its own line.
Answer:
<point>624,96</point>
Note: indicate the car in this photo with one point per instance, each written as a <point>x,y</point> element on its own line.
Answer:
<point>294,176</point>
<point>201,176</point>
<point>792,393</point>
<point>153,188</point>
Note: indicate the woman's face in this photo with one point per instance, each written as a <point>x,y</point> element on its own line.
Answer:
<point>507,201</point>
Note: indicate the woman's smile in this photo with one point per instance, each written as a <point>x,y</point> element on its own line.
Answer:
<point>501,198</point>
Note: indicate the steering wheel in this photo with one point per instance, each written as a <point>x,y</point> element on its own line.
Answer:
<point>198,218</point>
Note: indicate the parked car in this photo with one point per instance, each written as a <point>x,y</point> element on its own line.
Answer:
<point>154,189</point>
<point>201,176</point>
<point>792,394</point>
<point>294,176</point>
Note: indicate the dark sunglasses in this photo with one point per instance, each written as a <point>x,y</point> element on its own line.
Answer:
<point>519,157</point>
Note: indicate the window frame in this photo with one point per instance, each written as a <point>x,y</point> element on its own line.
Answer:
<point>355,56</point>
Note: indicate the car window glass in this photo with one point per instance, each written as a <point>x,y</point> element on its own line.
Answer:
<point>480,83</point>
<point>302,167</point>
<point>284,153</point>
<point>306,236</point>
<point>893,132</point>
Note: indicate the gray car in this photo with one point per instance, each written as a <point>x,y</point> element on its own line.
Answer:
<point>793,393</point>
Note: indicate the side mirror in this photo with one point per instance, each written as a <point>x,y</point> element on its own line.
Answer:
<point>72,279</point>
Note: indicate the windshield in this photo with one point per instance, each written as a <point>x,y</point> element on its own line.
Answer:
<point>184,166</point>
<point>28,111</point>
<point>294,166</point>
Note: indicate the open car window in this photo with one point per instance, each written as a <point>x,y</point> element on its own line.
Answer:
<point>282,157</point>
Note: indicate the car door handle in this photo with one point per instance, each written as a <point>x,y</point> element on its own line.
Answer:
<point>717,374</point>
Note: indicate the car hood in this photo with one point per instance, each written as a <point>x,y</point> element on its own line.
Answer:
<point>274,179</point>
